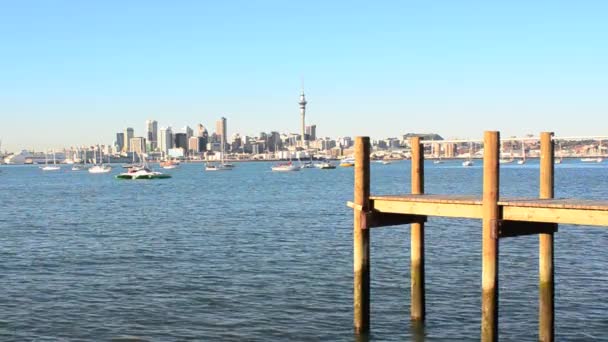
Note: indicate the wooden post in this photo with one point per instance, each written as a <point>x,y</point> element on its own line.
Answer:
<point>489,309</point>
<point>361,237</point>
<point>545,254</point>
<point>417,310</point>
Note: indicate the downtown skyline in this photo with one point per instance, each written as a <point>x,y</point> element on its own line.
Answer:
<point>74,73</point>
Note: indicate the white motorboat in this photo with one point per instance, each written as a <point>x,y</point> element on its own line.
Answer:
<point>217,167</point>
<point>325,166</point>
<point>286,167</point>
<point>592,160</point>
<point>467,163</point>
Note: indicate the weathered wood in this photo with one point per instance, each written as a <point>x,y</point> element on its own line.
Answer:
<point>489,317</point>
<point>377,219</point>
<point>563,216</point>
<point>428,209</point>
<point>545,255</point>
<point>431,198</point>
<point>417,305</point>
<point>361,262</point>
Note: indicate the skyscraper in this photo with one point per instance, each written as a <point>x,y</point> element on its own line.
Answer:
<point>127,139</point>
<point>138,145</point>
<point>152,133</point>
<point>311,132</point>
<point>165,141</point>
<point>189,131</point>
<point>302,104</point>
<point>221,128</point>
<point>181,141</point>
<point>201,131</point>
<point>120,141</point>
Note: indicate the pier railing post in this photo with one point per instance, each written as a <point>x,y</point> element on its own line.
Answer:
<point>545,255</point>
<point>491,176</point>
<point>361,286</point>
<point>417,310</point>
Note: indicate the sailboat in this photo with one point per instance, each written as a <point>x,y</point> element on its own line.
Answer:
<point>48,167</point>
<point>502,160</point>
<point>101,167</point>
<point>469,162</point>
<point>222,166</point>
<point>597,159</point>
<point>559,161</point>
<point>286,167</point>
<point>523,154</point>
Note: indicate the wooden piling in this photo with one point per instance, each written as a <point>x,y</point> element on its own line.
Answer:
<point>361,262</point>
<point>490,216</point>
<point>545,255</point>
<point>417,310</point>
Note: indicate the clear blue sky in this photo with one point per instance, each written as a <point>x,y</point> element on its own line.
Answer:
<point>76,72</point>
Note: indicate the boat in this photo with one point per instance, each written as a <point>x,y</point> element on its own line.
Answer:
<point>559,161</point>
<point>47,167</point>
<point>217,167</point>
<point>469,162</point>
<point>437,161</point>
<point>78,167</point>
<point>101,167</point>
<point>347,162</point>
<point>222,166</point>
<point>325,166</point>
<point>286,167</point>
<point>169,164</point>
<point>522,161</point>
<point>505,161</point>
<point>592,160</point>
<point>142,171</point>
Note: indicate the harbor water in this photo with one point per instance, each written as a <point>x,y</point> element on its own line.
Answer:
<point>251,255</point>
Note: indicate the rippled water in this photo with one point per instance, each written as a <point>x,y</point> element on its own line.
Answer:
<point>255,255</point>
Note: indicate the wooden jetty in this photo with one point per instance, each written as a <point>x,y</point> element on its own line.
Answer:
<point>500,218</point>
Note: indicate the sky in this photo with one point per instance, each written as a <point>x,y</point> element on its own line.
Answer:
<point>76,72</point>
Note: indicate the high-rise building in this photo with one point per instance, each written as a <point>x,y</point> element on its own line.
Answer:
<point>120,141</point>
<point>138,145</point>
<point>221,128</point>
<point>201,131</point>
<point>165,141</point>
<point>194,144</point>
<point>302,104</point>
<point>127,138</point>
<point>311,132</point>
<point>152,133</point>
<point>189,131</point>
<point>180,141</point>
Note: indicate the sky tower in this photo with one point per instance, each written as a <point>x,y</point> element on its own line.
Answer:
<point>302,104</point>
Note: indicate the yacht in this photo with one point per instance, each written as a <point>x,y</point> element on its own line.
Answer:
<point>47,167</point>
<point>347,162</point>
<point>101,167</point>
<point>286,167</point>
<point>325,166</point>
<point>142,172</point>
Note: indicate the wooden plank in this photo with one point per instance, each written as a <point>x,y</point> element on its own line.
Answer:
<point>377,219</point>
<point>428,209</point>
<point>563,203</point>
<point>555,215</point>
<point>431,198</point>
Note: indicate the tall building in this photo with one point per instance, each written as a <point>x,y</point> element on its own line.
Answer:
<point>189,131</point>
<point>120,141</point>
<point>302,104</point>
<point>201,131</point>
<point>181,141</point>
<point>165,141</point>
<point>221,128</point>
<point>138,145</point>
<point>194,144</point>
<point>127,139</point>
<point>152,133</point>
<point>311,132</point>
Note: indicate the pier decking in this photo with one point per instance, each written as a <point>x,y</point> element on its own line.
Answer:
<point>501,217</point>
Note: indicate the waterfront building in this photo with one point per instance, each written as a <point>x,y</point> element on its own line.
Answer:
<point>128,135</point>
<point>152,133</point>
<point>194,145</point>
<point>180,141</point>
<point>165,141</point>
<point>137,145</point>
<point>221,128</point>
<point>120,141</point>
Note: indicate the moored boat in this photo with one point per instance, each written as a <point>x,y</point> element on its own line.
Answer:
<point>286,167</point>
<point>142,173</point>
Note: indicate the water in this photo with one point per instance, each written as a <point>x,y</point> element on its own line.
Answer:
<point>257,256</point>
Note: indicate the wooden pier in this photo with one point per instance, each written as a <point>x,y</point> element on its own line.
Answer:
<point>500,218</point>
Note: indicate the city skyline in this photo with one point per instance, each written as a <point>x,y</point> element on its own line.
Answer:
<point>78,68</point>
